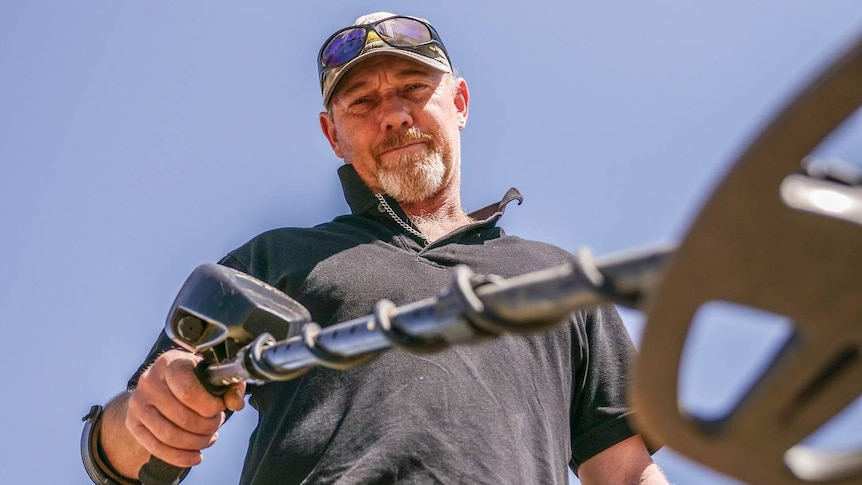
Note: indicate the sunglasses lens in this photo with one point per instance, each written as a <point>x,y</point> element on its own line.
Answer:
<point>403,32</point>
<point>343,47</point>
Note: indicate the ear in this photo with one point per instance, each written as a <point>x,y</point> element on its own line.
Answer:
<point>327,126</point>
<point>462,102</point>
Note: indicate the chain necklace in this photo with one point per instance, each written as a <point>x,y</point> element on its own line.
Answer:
<point>398,220</point>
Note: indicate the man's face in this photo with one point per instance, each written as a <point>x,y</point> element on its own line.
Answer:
<point>397,122</point>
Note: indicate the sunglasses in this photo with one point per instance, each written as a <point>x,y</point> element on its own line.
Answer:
<point>401,32</point>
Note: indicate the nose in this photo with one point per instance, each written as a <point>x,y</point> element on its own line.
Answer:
<point>395,113</point>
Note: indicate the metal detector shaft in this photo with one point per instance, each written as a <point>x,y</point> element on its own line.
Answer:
<point>473,308</point>
<point>219,307</point>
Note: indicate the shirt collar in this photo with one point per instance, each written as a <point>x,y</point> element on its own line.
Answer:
<point>362,201</point>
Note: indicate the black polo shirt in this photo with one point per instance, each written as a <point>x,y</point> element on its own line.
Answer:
<point>515,409</point>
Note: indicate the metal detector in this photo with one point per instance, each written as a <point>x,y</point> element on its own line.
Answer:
<point>765,239</point>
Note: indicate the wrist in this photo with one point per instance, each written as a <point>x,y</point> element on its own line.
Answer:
<point>96,464</point>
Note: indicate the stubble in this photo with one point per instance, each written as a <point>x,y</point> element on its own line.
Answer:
<point>411,177</point>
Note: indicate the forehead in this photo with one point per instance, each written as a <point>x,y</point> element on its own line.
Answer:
<point>393,67</point>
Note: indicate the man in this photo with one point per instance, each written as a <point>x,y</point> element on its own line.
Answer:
<point>514,409</point>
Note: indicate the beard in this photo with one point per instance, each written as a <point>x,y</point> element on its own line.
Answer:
<point>413,176</point>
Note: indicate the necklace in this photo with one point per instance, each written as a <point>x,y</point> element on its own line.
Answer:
<point>398,220</point>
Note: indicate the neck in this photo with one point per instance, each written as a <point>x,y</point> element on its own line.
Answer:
<point>437,225</point>
<point>438,215</point>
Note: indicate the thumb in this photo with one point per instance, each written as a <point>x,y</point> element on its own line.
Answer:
<point>234,398</point>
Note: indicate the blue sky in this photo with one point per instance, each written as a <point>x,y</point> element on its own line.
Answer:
<point>140,139</point>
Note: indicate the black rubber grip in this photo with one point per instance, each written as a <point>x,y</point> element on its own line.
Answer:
<point>157,472</point>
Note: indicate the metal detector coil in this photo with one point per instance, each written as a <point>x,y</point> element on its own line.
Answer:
<point>763,241</point>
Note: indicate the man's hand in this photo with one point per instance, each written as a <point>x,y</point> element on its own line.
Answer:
<point>171,414</point>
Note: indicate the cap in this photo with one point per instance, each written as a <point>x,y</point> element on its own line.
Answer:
<point>432,54</point>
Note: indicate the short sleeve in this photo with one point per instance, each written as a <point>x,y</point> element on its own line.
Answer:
<point>602,351</point>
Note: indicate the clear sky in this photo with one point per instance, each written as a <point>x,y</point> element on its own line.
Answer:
<point>140,139</point>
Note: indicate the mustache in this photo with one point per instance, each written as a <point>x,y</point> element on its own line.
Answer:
<point>398,139</point>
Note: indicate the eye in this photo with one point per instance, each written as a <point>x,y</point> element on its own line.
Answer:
<point>415,90</point>
<point>416,86</point>
<point>360,105</point>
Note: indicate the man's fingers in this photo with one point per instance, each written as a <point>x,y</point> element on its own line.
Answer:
<point>234,398</point>
<point>174,436</point>
<point>191,432</point>
<point>175,456</point>
<point>164,439</point>
<point>184,384</point>
<point>148,410</point>
<point>154,398</point>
